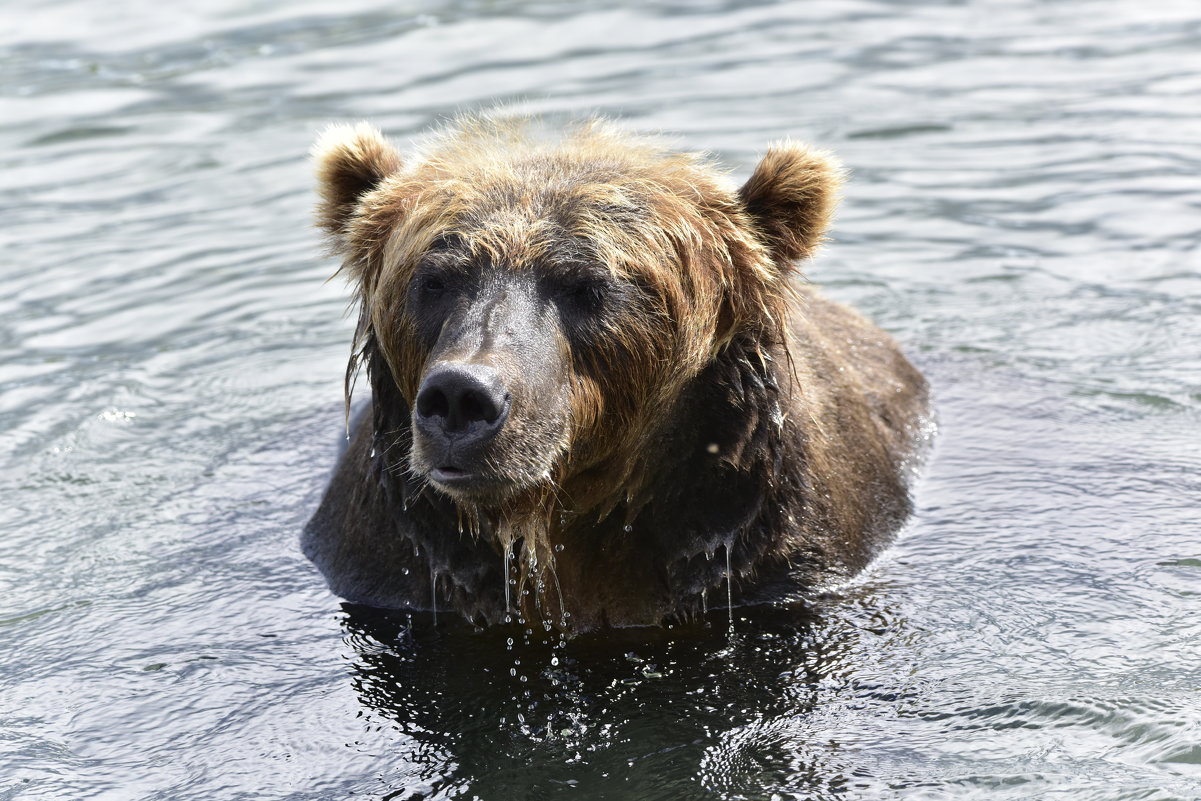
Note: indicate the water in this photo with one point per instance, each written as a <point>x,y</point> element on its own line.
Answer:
<point>1024,215</point>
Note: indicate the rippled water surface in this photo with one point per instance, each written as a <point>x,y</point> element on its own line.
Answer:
<point>1024,215</point>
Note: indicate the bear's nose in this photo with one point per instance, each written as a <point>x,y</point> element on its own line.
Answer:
<point>457,397</point>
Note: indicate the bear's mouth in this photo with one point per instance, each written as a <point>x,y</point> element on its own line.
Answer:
<point>449,474</point>
<point>455,480</point>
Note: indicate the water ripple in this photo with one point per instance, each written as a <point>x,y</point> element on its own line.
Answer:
<point>1022,214</point>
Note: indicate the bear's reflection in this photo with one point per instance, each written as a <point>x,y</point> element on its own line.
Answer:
<point>687,712</point>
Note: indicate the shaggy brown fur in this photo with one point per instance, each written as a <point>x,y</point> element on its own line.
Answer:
<point>680,413</point>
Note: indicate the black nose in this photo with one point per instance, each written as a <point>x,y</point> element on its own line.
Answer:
<point>457,397</point>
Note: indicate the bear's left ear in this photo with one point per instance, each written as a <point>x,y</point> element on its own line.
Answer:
<point>791,198</point>
<point>351,160</point>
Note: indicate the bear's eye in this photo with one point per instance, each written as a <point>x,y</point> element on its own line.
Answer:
<point>431,286</point>
<point>584,295</point>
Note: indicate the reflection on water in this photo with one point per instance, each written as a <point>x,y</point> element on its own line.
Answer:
<point>1022,214</point>
<point>636,714</point>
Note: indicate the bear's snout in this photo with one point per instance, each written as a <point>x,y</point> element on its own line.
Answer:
<point>455,398</point>
<point>460,409</point>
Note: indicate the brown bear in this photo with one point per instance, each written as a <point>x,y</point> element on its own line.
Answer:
<point>600,394</point>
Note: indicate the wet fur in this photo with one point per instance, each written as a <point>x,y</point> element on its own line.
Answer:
<point>724,417</point>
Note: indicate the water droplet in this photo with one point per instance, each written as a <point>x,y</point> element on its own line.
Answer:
<point>372,451</point>
<point>559,548</point>
<point>628,528</point>
<point>404,570</point>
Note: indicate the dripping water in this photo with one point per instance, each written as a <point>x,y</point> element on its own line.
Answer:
<point>729,588</point>
<point>554,574</point>
<point>508,559</point>
<point>434,592</point>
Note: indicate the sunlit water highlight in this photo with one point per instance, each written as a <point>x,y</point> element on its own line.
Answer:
<point>1024,215</point>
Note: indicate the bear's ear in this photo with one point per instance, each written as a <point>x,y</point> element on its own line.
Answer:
<point>351,160</point>
<point>791,198</point>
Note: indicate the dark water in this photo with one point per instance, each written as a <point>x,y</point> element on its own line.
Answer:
<point>1025,215</point>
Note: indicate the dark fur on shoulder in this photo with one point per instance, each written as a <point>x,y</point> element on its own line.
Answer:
<point>592,366</point>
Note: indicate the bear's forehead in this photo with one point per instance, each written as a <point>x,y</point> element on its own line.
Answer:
<point>539,209</point>
<point>598,196</point>
<point>510,239</point>
<point>561,190</point>
<point>596,167</point>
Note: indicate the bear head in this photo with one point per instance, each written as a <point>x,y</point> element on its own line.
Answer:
<point>531,309</point>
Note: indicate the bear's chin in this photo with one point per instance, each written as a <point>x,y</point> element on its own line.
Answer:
<point>475,487</point>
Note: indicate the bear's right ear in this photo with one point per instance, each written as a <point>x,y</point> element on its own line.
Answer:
<point>351,160</point>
